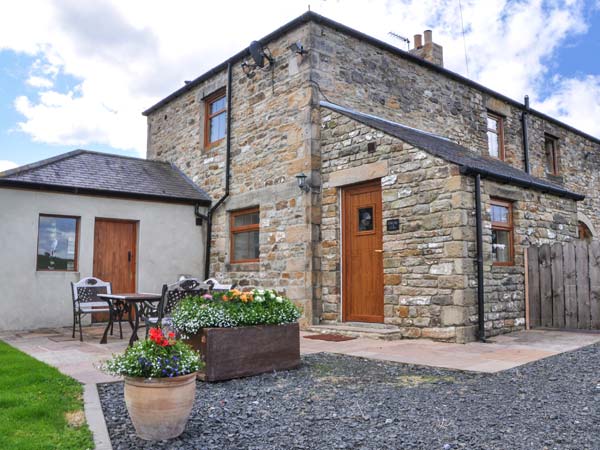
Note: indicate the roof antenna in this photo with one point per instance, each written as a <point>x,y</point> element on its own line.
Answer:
<point>402,38</point>
<point>309,6</point>
<point>463,34</point>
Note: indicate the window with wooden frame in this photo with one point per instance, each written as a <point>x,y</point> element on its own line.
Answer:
<point>215,118</point>
<point>584,233</point>
<point>495,135</point>
<point>551,152</point>
<point>502,232</point>
<point>244,231</point>
<point>58,238</point>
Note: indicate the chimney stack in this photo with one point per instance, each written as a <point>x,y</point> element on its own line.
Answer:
<point>429,51</point>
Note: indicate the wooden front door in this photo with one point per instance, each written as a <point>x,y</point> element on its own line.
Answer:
<point>362,250</point>
<point>115,255</point>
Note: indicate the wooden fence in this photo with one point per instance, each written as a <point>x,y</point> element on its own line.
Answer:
<point>564,285</point>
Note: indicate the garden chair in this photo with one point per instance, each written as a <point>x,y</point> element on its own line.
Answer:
<point>86,301</point>
<point>171,295</point>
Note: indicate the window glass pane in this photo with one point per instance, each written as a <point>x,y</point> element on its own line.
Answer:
<point>500,245</point>
<point>549,145</point>
<point>245,245</point>
<point>246,219</point>
<point>57,238</point>
<point>492,123</point>
<point>217,127</point>
<point>499,213</point>
<point>217,105</point>
<point>493,144</point>
<point>365,219</point>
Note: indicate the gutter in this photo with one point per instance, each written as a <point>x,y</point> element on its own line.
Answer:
<point>211,211</point>
<point>16,184</point>
<point>474,171</point>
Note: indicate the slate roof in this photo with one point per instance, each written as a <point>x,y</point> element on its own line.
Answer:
<point>87,172</point>
<point>469,162</point>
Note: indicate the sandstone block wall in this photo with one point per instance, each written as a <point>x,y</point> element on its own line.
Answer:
<point>271,143</point>
<point>356,74</point>
<point>426,262</point>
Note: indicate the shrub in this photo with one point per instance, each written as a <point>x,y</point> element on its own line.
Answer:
<point>233,309</point>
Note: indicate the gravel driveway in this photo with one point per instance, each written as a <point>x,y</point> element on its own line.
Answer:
<point>342,402</point>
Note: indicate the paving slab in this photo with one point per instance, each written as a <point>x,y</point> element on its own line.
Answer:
<point>81,360</point>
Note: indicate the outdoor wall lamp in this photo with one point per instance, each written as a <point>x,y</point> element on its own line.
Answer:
<point>304,185</point>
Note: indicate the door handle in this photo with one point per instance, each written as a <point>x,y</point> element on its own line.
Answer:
<point>378,251</point>
<point>128,256</point>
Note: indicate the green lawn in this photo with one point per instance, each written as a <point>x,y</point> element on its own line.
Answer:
<point>40,408</point>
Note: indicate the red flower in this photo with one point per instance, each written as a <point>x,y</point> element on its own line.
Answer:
<point>157,336</point>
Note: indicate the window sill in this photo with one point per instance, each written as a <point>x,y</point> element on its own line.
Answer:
<point>210,145</point>
<point>251,266</point>
<point>555,177</point>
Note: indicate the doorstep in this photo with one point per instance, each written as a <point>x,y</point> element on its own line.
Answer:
<point>359,330</point>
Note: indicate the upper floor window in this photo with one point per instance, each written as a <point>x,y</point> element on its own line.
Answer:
<point>215,118</point>
<point>244,235</point>
<point>495,136</point>
<point>502,232</point>
<point>57,243</point>
<point>584,232</point>
<point>551,153</point>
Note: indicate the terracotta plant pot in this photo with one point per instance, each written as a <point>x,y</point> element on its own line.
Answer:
<point>160,407</point>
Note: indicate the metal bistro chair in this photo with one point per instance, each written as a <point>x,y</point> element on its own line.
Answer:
<point>172,294</point>
<point>86,301</point>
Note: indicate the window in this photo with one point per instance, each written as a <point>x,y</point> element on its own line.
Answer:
<point>584,233</point>
<point>502,232</point>
<point>551,150</point>
<point>495,135</point>
<point>57,243</point>
<point>244,228</point>
<point>215,118</point>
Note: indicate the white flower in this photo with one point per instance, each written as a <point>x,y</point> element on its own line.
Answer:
<point>279,299</point>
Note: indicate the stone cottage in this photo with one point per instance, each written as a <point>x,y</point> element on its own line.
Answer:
<point>373,185</point>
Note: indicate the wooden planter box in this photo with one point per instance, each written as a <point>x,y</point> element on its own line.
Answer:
<point>246,351</point>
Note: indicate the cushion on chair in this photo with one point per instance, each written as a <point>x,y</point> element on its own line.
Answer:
<point>93,307</point>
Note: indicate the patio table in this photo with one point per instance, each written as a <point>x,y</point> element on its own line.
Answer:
<point>135,302</point>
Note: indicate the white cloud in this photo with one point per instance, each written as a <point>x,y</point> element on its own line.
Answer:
<point>39,82</point>
<point>125,56</point>
<point>7,165</point>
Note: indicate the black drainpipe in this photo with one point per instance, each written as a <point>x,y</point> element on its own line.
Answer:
<point>227,175</point>
<point>480,292</point>
<point>524,116</point>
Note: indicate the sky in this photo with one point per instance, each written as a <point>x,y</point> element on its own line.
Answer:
<point>79,74</point>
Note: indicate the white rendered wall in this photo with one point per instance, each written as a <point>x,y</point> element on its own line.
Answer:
<point>169,244</point>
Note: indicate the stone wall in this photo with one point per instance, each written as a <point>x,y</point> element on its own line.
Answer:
<point>276,131</point>
<point>271,143</point>
<point>426,262</point>
<point>538,218</point>
<point>356,74</point>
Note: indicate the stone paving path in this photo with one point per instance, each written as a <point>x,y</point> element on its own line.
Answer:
<point>81,359</point>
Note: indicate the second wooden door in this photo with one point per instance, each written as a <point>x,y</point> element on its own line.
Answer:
<point>115,255</point>
<point>362,253</point>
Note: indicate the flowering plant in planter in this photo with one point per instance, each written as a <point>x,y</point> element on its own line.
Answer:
<point>160,384</point>
<point>160,356</point>
<point>233,308</point>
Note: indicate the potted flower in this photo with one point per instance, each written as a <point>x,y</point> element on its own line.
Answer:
<point>160,384</point>
<point>241,333</point>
